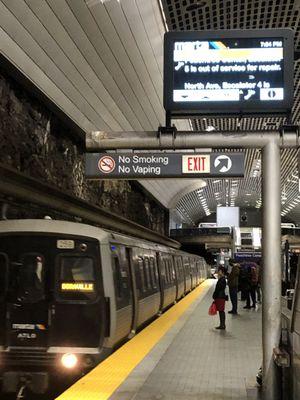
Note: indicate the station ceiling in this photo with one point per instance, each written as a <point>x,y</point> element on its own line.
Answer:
<point>101,62</point>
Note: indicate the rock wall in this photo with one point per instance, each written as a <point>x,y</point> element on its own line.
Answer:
<point>36,142</point>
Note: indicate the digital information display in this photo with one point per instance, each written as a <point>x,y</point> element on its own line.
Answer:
<point>230,74</point>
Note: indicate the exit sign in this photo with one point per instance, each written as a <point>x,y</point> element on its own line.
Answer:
<point>195,164</point>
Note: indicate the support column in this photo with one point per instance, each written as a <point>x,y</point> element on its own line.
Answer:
<point>271,284</point>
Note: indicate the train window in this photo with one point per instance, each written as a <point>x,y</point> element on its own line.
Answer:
<point>153,273</point>
<point>156,271</point>
<point>77,269</point>
<point>147,272</point>
<point>117,277</point>
<point>169,272</point>
<point>28,278</point>
<point>166,268</point>
<point>76,276</point>
<point>142,275</point>
<point>173,276</point>
<point>3,273</point>
<point>181,268</point>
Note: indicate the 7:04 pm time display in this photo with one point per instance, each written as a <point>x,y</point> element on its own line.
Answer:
<point>274,43</point>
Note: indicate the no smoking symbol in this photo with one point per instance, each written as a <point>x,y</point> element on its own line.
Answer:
<point>106,164</point>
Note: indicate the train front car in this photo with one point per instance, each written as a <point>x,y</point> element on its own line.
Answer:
<point>52,306</point>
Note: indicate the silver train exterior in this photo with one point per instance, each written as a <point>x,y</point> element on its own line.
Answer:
<point>71,292</point>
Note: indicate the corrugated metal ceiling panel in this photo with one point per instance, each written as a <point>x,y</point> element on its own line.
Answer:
<point>241,14</point>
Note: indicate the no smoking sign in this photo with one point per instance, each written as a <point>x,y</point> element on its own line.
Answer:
<point>106,164</point>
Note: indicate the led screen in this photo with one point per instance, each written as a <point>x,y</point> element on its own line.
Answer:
<point>245,73</point>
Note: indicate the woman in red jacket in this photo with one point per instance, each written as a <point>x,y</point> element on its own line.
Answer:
<point>220,297</point>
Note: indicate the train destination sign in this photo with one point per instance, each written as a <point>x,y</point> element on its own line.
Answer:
<point>163,165</point>
<point>248,71</point>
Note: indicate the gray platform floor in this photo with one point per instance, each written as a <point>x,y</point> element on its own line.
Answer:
<point>193,361</point>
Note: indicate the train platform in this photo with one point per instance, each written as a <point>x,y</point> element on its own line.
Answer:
<point>181,356</point>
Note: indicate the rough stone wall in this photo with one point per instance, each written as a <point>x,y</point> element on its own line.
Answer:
<point>34,141</point>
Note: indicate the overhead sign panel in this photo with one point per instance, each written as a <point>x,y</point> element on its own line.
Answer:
<point>248,71</point>
<point>163,165</point>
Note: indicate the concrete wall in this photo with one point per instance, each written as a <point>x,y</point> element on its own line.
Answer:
<point>34,141</point>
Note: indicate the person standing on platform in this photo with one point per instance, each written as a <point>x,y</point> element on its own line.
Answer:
<point>253,280</point>
<point>244,280</point>
<point>220,297</point>
<point>233,283</point>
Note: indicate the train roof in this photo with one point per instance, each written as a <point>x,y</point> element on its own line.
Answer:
<point>51,226</point>
<point>79,229</point>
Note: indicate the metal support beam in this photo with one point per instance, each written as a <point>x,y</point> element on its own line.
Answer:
<point>271,285</point>
<point>100,140</point>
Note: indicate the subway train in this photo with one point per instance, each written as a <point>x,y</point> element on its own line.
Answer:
<point>70,293</point>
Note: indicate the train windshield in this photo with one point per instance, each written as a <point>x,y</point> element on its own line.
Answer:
<point>76,278</point>
<point>27,277</point>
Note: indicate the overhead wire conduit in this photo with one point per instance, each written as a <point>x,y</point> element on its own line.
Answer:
<point>101,140</point>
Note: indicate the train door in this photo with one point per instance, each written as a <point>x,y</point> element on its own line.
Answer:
<point>177,275</point>
<point>161,273</point>
<point>24,290</point>
<point>187,274</point>
<point>78,313</point>
<point>78,303</point>
<point>123,291</point>
<point>132,282</point>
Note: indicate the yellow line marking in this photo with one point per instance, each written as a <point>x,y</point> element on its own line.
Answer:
<point>102,381</point>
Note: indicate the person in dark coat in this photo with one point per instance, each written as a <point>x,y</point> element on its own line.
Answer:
<point>244,281</point>
<point>253,279</point>
<point>233,283</point>
<point>220,297</point>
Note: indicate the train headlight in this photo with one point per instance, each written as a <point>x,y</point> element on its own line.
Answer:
<point>69,360</point>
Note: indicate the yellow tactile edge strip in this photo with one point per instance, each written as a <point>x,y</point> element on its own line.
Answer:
<point>103,380</point>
